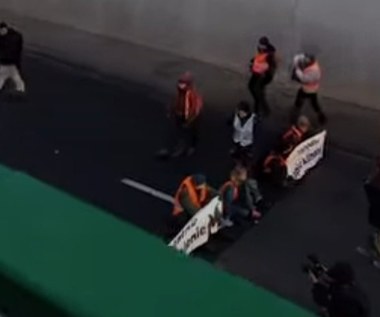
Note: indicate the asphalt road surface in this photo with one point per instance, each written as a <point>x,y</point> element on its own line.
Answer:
<point>84,134</point>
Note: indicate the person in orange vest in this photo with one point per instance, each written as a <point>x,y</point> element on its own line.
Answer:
<point>307,71</point>
<point>275,163</point>
<point>233,205</point>
<point>263,68</point>
<point>192,195</point>
<point>185,112</point>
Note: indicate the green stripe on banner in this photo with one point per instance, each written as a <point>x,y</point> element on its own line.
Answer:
<point>58,251</point>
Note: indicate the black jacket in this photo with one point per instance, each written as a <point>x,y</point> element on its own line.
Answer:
<point>372,189</point>
<point>11,46</point>
<point>348,301</point>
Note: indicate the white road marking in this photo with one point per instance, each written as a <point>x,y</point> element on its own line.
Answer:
<point>148,190</point>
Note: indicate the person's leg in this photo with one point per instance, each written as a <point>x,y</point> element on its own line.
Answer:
<point>192,136</point>
<point>264,102</point>
<point>317,108</point>
<point>3,75</point>
<point>236,211</point>
<point>254,92</point>
<point>244,156</point>
<point>254,190</point>
<point>180,138</point>
<point>16,78</point>
<point>260,102</point>
<point>298,104</point>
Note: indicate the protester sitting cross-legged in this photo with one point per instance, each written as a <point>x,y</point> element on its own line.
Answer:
<point>237,197</point>
<point>192,195</point>
<point>275,163</point>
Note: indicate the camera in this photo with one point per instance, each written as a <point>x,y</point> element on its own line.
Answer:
<point>314,267</point>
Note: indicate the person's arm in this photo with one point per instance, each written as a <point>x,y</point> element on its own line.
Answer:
<point>227,198</point>
<point>308,77</point>
<point>212,192</point>
<point>187,204</point>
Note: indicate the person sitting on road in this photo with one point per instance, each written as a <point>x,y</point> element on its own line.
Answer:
<point>192,195</point>
<point>237,197</point>
<point>275,163</point>
<point>243,124</point>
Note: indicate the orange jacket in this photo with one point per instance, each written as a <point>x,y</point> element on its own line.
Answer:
<point>198,197</point>
<point>188,105</point>
<point>260,63</point>
<point>291,139</point>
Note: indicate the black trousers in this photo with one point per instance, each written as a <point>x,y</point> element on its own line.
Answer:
<point>187,135</point>
<point>313,98</point>
<point>257,86</point>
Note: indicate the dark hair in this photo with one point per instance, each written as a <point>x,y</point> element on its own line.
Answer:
<point>310,57</point>
<point>3,25</point>
<point>264,41</point>
<point>199,179</point>
<point>244,106</point>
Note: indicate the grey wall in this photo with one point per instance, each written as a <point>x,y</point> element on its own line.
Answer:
<point>345,34</point>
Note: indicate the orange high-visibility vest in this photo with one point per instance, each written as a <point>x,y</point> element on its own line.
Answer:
<point>234,187</point>
<point>295,132</point>
<point>296,135</point>
<point>191,106</point>
<point>314,86</point>
<point>260,64</point>
<point>271,158</point>
<point>197,197</point>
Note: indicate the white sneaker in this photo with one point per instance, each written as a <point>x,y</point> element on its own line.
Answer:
<point>226,222</point>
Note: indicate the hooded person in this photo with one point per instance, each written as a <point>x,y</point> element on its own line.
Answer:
<point>185,112</point>
<point>263,68</point>
<point>11,45</point>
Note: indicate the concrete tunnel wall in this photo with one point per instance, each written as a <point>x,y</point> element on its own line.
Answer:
<point>345,35</point>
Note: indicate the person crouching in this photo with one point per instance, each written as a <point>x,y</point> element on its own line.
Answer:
<point>275,163</point>
<point>192,195</point>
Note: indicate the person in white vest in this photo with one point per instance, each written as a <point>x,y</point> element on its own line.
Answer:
<point>243,132</point>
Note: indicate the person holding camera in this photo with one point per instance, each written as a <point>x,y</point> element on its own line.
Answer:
<point>336,292</point>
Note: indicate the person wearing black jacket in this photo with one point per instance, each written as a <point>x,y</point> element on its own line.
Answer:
<point>263,67</point>
<point>11,45</point>
<point>338,294</point>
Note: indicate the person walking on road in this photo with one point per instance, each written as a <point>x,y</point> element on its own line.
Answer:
<point>11,46</point>
<point>263,68</point>
<point>185,112</point>
<point>307,72</point>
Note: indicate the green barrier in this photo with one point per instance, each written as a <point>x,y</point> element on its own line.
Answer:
<point>62,257</point>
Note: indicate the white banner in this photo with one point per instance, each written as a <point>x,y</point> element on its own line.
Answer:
<point>199,229</point>
<point>306,155</point>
